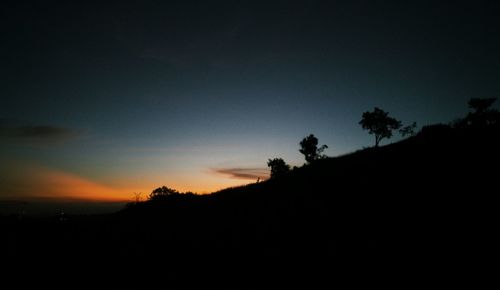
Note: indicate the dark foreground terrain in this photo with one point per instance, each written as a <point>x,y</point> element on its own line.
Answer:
<point>418,212</point>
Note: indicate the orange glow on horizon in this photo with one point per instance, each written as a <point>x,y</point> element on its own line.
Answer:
<point>37,182</point>
<point>63,185</point>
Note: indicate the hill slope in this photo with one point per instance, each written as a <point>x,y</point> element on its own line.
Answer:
<point>423,203</point>
<point>412,211</point>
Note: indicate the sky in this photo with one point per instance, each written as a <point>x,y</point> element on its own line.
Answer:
<point>101,100</point>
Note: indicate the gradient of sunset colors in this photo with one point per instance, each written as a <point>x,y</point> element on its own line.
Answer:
<point>103,100</point>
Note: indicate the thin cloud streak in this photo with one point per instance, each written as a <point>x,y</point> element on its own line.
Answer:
<point>36,132</point>
<point>243,173</point>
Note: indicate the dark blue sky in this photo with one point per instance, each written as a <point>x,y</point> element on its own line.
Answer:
<point>131,95</point>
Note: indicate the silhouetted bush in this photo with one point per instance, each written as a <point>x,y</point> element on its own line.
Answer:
<point>409,130</point>
<point>278,167</point>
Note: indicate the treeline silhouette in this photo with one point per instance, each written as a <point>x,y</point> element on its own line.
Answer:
<point>411,213</point>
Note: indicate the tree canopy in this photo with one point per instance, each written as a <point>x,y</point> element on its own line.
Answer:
<point>309,147</point>
<point>481,105</point>
<point>379,123</point>
<point>482,115</point>
<point>162,192</point>
<point>409,130</point>
<point>278,167</point>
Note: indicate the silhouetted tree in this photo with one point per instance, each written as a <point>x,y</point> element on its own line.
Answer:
<point>309,147</point>
<point>278,167</point>
<point>162,192</point>
<point>481,105</point>
<point>482,115</point>
<point>379,123</point>
<point>137,197</point>
<point>409,130</point>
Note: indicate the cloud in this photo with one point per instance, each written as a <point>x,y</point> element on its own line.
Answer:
<point>36,132</point>
<point>243,173</point>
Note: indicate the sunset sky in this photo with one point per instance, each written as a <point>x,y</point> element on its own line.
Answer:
<point>101,100</point>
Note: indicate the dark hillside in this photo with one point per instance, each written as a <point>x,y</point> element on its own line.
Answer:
<point>411,211</point>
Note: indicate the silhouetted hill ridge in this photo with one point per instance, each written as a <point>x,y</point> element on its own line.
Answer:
<point>416,211</point>
<point>424,197</point>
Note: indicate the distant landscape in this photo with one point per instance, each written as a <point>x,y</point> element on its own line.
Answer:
<point>44,207</point>
<point>423,204</point>
<point>278,144</point>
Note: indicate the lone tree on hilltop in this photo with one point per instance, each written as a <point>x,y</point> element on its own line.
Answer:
<point>379,123</point>
<point>309,147</point>
<point>278,167</point>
